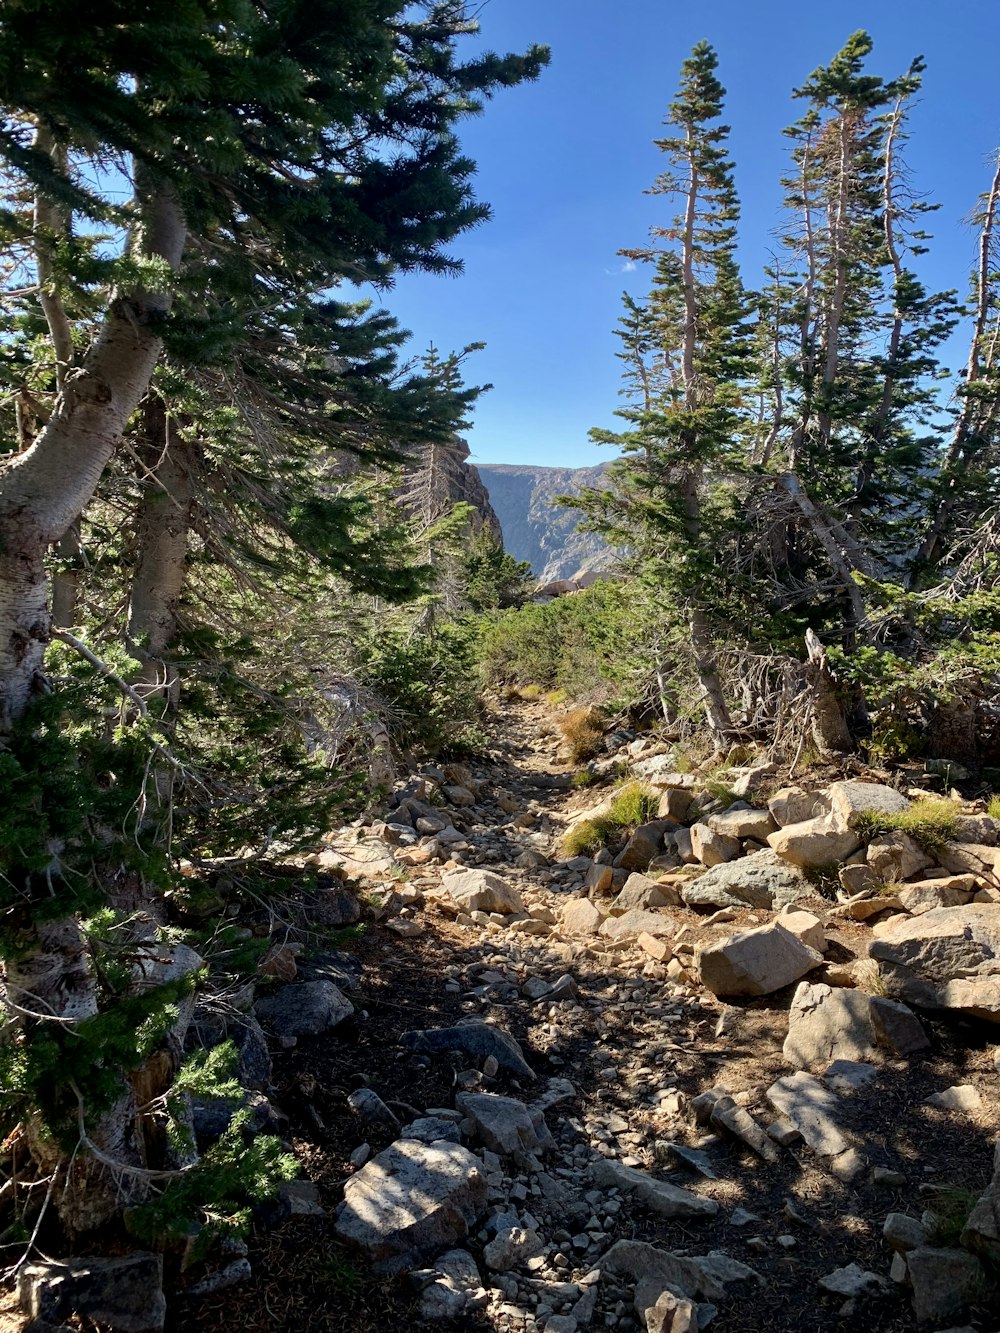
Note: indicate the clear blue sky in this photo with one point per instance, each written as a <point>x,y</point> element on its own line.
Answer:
<point>564,163</point>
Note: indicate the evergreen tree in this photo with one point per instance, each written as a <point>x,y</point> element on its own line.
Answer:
<point>686,350</point>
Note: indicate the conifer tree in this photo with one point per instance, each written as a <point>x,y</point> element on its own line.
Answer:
<point>686,350</point>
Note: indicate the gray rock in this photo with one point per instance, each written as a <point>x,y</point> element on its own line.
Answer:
<point>761,880</point>
<point>896,855</point>
<point>848,1076</point>
<point>729,1115</point>
<point>711,1277</point>
<point>636,922</point>
<point>370,1108</point>
<point>412,1201</point>
<point>430,1128</point>
<point>903,1233</point>
<point>506,1126</point>
<point>963,1097</point>
<point>827,1023</point>
<point>944,959</point>
<point>511,1247</point>
<point>675,803</point>
<point>982,1230</point>
<point>794,805</point>
<point>663,1198</point>
<point>641,893</point>
<point>598,880</point>
<point>741,821</point>
<point>850,800</point>
<point>645,843</point>
<point>479,1040</point>
<point>755,962</point>
<point>230,1276</point>
<point>852,1281</point>
<point>303,1009</point>
<point>125,1294</point>
<point>812,1109</point>
<point>944,1282</point>
<point>451,1289</point>
<point>482,891</point>
<point>712,848</point>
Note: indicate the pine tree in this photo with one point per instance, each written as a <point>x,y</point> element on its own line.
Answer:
<point>686,350</point>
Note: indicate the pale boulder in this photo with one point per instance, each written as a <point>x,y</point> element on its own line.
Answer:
<point>816,842</point>
<point>755,962</point>
<point>482,891</point>
<point>712,848</point>
<point>850,800</point>
<point>944,959</point>
<point>581,917</point>
<point>795,805</point>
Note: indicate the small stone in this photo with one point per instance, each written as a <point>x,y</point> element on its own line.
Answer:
<point>962,1097</point>
<point>852,1281</point>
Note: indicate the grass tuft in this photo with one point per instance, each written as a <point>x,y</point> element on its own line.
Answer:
<point>582,730</point>
<point>631,806</point>
<point>931,824</point>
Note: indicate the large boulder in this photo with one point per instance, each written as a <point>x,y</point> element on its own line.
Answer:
<point>816,842</point>
<point>795,805</point>
<point>944,959</point>
<point>850,800</point>
<point>755,962</point>
<point>482,891</point>
<point>760,880</point>
<point>896,855</point>
<point>642,893</point>
<point>411,1202</point>
<point>827,1023</point>
<point>644,844</point>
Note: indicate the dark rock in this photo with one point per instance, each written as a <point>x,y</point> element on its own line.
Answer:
<point>125,1294</point>
<point>479,1040</point>
<point>303,1009</point>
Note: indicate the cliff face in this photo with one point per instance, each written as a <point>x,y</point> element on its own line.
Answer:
<point>533,530</point>
<point>443,477</point>
<point>463,482</point>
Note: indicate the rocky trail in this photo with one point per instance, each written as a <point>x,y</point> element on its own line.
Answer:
<point>520,1104</point>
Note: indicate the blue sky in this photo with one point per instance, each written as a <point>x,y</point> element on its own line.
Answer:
<point>564,163</point>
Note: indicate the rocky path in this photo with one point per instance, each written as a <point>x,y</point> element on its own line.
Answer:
<point>537,1118</point>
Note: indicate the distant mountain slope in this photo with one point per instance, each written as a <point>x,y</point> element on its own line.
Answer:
<point>533,530</point>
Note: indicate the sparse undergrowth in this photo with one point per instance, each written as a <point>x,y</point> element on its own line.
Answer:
<point>931,823</point>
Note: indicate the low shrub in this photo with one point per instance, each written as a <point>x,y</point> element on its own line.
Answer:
<point>582,730</point>
<point>631,806</point>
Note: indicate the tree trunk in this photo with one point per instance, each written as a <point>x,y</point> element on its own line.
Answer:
<point>162,542</point>
<point>716,713</point>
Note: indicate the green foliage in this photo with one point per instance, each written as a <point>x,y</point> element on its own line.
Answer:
<point>951,1208</point>
<point>217,1194</point>
<point>491,578</point>
<point>427,682</point>
<point>629,806</point>
<point>584,778</point>
<point>993,807</point>
<point>931,823</point>
<point>825,879</point>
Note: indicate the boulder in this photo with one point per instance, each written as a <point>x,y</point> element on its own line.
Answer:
<point>944,959</point>
<point>712,848</point>
<point>644,844</point>
<point>970,858</point>
<point>760,880</point>
<point>658,1195</point>
<point>410,1202</point>
<point>982,1230</point>
<point>794,805</point>
<point>684,846</point>
<point>817,842</point>
<point>675,804</point>
<point>506,1126</point>
<point>660,771</point>
<point>944,1282</point>
<point>709,1277</point>
<point>981,829</point>
<point>581,917</point>
<point>805,927</point>
<point>477,1039</point>
<point>896,855</point>
<point>638,922</point>
<point>656,948</point>
<point>850,800</point>
<point>303,1009</point>
<point>482,891</point>
<point>124,1294</point>
<point>598,880</point>
<point>755,962</point>
<point>827,1024</point>
<point>955,891</point>
<point>742,821</point>
<point>640,893</point>
<point>511,1247</point>
<point>451,1289</point>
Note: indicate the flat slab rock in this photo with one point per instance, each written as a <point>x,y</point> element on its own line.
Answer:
<point>660,1196</point>
<point>709,1277</point>
<point>948,958</point>
<point>755,962</point>
<point>812,1109</point>
<point>638,922</point>
<point>411,1202</point>
<point>761,880</point>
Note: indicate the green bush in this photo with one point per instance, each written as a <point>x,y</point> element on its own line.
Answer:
<point>931,823</point>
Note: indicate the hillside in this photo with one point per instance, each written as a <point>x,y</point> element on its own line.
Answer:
<point>533,529</point>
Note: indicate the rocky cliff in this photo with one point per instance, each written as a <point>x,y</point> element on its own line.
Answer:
<point>534,530</point>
